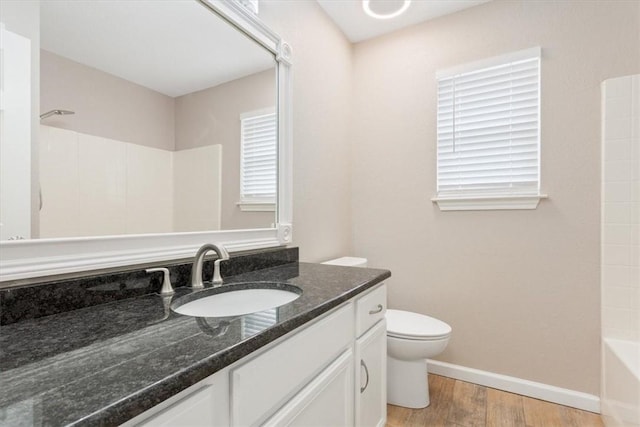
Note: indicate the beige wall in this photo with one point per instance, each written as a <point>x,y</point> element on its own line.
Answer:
<point>105,105</point>
<point>322,82</point>
<point>212,116</point>
<point>519,288</point>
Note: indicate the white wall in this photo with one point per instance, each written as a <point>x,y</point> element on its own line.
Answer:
<point>15,138</point>
<point>520,288</point>
<point>150,205</point>
<point>94,186</point>
<point>620,252</point>
<point>60,214</point>
<point>197,188</point>
<point>621,208</point>
<point>23,18</point>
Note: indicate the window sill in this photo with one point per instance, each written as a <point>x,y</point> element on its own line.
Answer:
<point>257,206</point>
<point>483,203</point>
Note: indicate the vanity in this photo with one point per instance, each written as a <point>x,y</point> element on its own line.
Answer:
<point>318,360</point>
<point>329,372</point>
<point>137,169</point>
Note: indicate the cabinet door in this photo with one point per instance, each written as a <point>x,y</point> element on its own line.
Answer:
<point>326,401</point>
<point>371,377</point>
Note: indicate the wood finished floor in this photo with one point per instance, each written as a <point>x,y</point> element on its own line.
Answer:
<point>460,404</point>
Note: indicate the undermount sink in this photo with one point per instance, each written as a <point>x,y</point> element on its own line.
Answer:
<point>236,299</point>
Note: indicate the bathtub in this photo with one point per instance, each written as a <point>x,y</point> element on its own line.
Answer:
<point>620,391</point>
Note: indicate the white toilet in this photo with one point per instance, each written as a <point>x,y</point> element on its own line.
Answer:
<point>411,339</point>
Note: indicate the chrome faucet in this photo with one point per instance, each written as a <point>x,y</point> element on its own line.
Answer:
<point>196,271</point>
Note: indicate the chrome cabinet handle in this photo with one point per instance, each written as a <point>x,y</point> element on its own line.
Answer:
<point>366,371</point>
<point>377,310</point>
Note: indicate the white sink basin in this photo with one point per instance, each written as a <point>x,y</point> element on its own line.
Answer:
<point>237,302</point>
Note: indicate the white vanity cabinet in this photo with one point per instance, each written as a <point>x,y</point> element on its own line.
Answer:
<point>353,390</point>
<point>371,359</point>
<point>270,380</point>
<point>329,373</point>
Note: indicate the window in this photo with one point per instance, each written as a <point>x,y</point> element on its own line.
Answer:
<point>258,161</point>
<point>488,130</point>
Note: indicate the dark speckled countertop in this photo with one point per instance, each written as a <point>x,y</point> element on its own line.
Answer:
<point>105,364</point>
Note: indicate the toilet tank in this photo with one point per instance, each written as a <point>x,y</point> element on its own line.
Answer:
<point>348,261</point>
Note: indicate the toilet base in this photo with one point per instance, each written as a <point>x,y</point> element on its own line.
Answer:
<point>407,383</point>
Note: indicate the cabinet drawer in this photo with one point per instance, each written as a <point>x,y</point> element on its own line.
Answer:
<point>370,308</point>
<point>264,383</point>
<point>201,408</point>
<point>203,404</point>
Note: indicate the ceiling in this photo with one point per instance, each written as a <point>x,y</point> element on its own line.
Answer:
<point>149,42</point>
<point>357,26</point>
<point>173,47</point>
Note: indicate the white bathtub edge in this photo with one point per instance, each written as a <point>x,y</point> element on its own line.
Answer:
<point>561,396</point>
<point>628,352</point>
<point>620,397</point>
<point>616,415</point>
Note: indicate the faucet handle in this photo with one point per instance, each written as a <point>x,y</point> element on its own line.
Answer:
<point>224,254</point>
<point>217,277</point>
<point>167,289</point>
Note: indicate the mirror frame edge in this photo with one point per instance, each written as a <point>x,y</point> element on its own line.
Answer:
<point>39,258</point>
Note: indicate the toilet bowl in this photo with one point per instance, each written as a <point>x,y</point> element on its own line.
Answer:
<point>411,339</point>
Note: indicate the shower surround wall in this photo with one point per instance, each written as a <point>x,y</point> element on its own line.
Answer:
<point>620,388</point>
<point>94,186</point>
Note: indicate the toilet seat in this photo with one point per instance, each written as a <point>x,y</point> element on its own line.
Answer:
<point>414,326</point>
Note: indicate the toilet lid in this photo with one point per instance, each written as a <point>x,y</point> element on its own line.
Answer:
<point>405,324</point>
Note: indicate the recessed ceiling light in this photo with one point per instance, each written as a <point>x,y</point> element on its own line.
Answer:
<point>385,9</point>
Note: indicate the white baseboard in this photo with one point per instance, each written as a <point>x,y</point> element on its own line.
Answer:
<point>561,396</point>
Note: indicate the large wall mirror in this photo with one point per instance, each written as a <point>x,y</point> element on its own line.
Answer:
<point>135,131</point>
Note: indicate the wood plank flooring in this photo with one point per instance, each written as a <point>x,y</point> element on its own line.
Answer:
<point>460,404</point>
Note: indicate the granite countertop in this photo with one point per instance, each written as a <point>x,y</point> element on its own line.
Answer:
<point>105,364</point>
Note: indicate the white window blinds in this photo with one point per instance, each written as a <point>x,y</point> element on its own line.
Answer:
<point>258,322</point>
<point>488,127</point>
<point>259,158</point>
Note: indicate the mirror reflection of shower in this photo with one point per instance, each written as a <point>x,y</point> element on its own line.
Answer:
<point>55,113</point>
